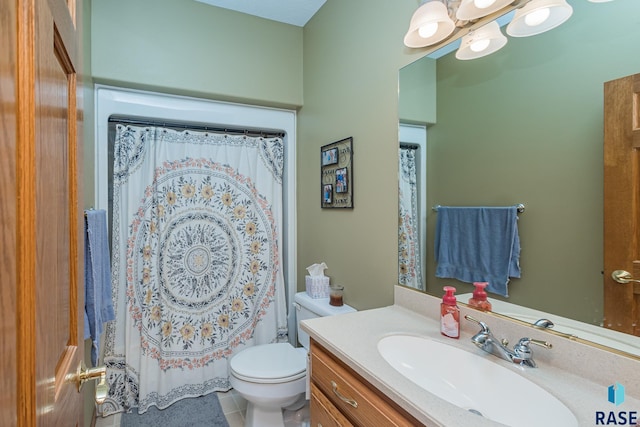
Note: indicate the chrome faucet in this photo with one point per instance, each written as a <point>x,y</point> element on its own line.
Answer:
<point>548,324</point>
<point>543,324</point>
<point>521,353</point>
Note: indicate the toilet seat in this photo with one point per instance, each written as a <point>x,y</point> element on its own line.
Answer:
<point>269,364</point>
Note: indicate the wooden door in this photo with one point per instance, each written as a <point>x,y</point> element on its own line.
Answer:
<point>622,202</point>
<point>40,213</point>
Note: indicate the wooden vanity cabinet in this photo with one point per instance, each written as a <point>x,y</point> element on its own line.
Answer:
<point>341,397</point>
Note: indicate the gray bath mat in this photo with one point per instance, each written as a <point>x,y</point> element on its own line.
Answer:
<point>193,412</point>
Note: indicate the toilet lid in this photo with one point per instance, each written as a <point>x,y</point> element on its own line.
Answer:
<point>269,363</point>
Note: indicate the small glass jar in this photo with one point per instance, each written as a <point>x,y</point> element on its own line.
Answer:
<point>335,295</point>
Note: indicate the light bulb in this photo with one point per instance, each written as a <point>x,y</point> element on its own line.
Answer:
<point>427,30</point>
<point>483,4</point>
<point>537,17</point>
<point>480,45</point>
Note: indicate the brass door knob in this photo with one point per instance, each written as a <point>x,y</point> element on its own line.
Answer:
<point>84,374</point>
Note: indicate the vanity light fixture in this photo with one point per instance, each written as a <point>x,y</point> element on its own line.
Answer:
<point>539,16</point>
<point>481,42</point>
<point>429,25</point>
<point>438,22</point>
<point>474,9</point>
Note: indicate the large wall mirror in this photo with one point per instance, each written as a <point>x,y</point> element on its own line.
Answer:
<point>525,125</point>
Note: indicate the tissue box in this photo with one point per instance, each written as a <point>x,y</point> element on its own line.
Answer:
<point>317,287</point>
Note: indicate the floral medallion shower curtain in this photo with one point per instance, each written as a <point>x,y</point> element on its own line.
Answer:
<point>409,267</point>
<point>196,269</point>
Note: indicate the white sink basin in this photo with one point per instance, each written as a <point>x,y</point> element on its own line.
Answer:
<point>474,383</point>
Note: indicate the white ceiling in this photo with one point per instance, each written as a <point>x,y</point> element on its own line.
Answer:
<point>294,12</point>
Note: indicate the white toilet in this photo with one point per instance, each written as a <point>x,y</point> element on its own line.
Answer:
<point>274,376</point>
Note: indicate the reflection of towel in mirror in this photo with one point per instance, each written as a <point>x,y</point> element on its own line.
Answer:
<point>98,305</point>
<point>478,244</point>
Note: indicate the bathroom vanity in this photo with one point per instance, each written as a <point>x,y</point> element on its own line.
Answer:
<point>353,385</point>
<point>341,397</point>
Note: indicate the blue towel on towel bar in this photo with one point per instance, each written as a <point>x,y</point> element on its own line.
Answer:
<point>478,244</point>
<point>98,304</point>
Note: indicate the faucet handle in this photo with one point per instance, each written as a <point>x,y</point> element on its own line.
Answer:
<point>483,325</point>
<point>523,350</point>
<point>526,341</point>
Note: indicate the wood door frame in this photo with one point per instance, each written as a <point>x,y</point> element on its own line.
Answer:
<point>8,214</point>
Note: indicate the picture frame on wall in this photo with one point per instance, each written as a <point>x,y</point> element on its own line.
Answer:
<point>327,193</point>
<point>342,180</point>
<point>330,156</point>
<point>336,174</point>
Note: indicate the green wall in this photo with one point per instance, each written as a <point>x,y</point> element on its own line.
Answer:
<point>525,125</point>
<point>190,48</point>
<point>353,50</point>
<point>417,86</point>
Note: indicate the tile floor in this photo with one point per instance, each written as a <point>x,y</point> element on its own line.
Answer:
<point>233,406</point>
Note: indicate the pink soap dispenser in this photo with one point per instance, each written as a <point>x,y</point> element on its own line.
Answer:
<point>449,314</point>
<point>479,299</point>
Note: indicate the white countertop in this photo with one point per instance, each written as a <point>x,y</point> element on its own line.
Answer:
<point>353,338</point>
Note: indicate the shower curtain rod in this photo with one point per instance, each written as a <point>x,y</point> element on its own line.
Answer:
<point>192,126</point>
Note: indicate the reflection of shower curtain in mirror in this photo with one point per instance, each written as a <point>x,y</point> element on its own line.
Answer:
<point>409,270</point>
<point>197,261</point>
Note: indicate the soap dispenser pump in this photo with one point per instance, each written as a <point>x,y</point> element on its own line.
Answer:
<point>479,299</point>
<point>449,314</point>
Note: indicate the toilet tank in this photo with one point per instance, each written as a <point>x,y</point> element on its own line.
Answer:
<point>310,308</point>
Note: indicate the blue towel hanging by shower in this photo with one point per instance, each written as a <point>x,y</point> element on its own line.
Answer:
<point>98,304</point>
<point>478,244</point>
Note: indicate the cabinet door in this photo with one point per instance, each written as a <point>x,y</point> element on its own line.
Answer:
<point>323,413</point>
<point>356,399</point>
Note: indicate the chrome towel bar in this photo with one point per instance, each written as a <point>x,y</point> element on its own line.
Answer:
<point>519,206</point>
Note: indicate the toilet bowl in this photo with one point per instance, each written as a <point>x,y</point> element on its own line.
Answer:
<point>270,377</point>
<point>273,377</point>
